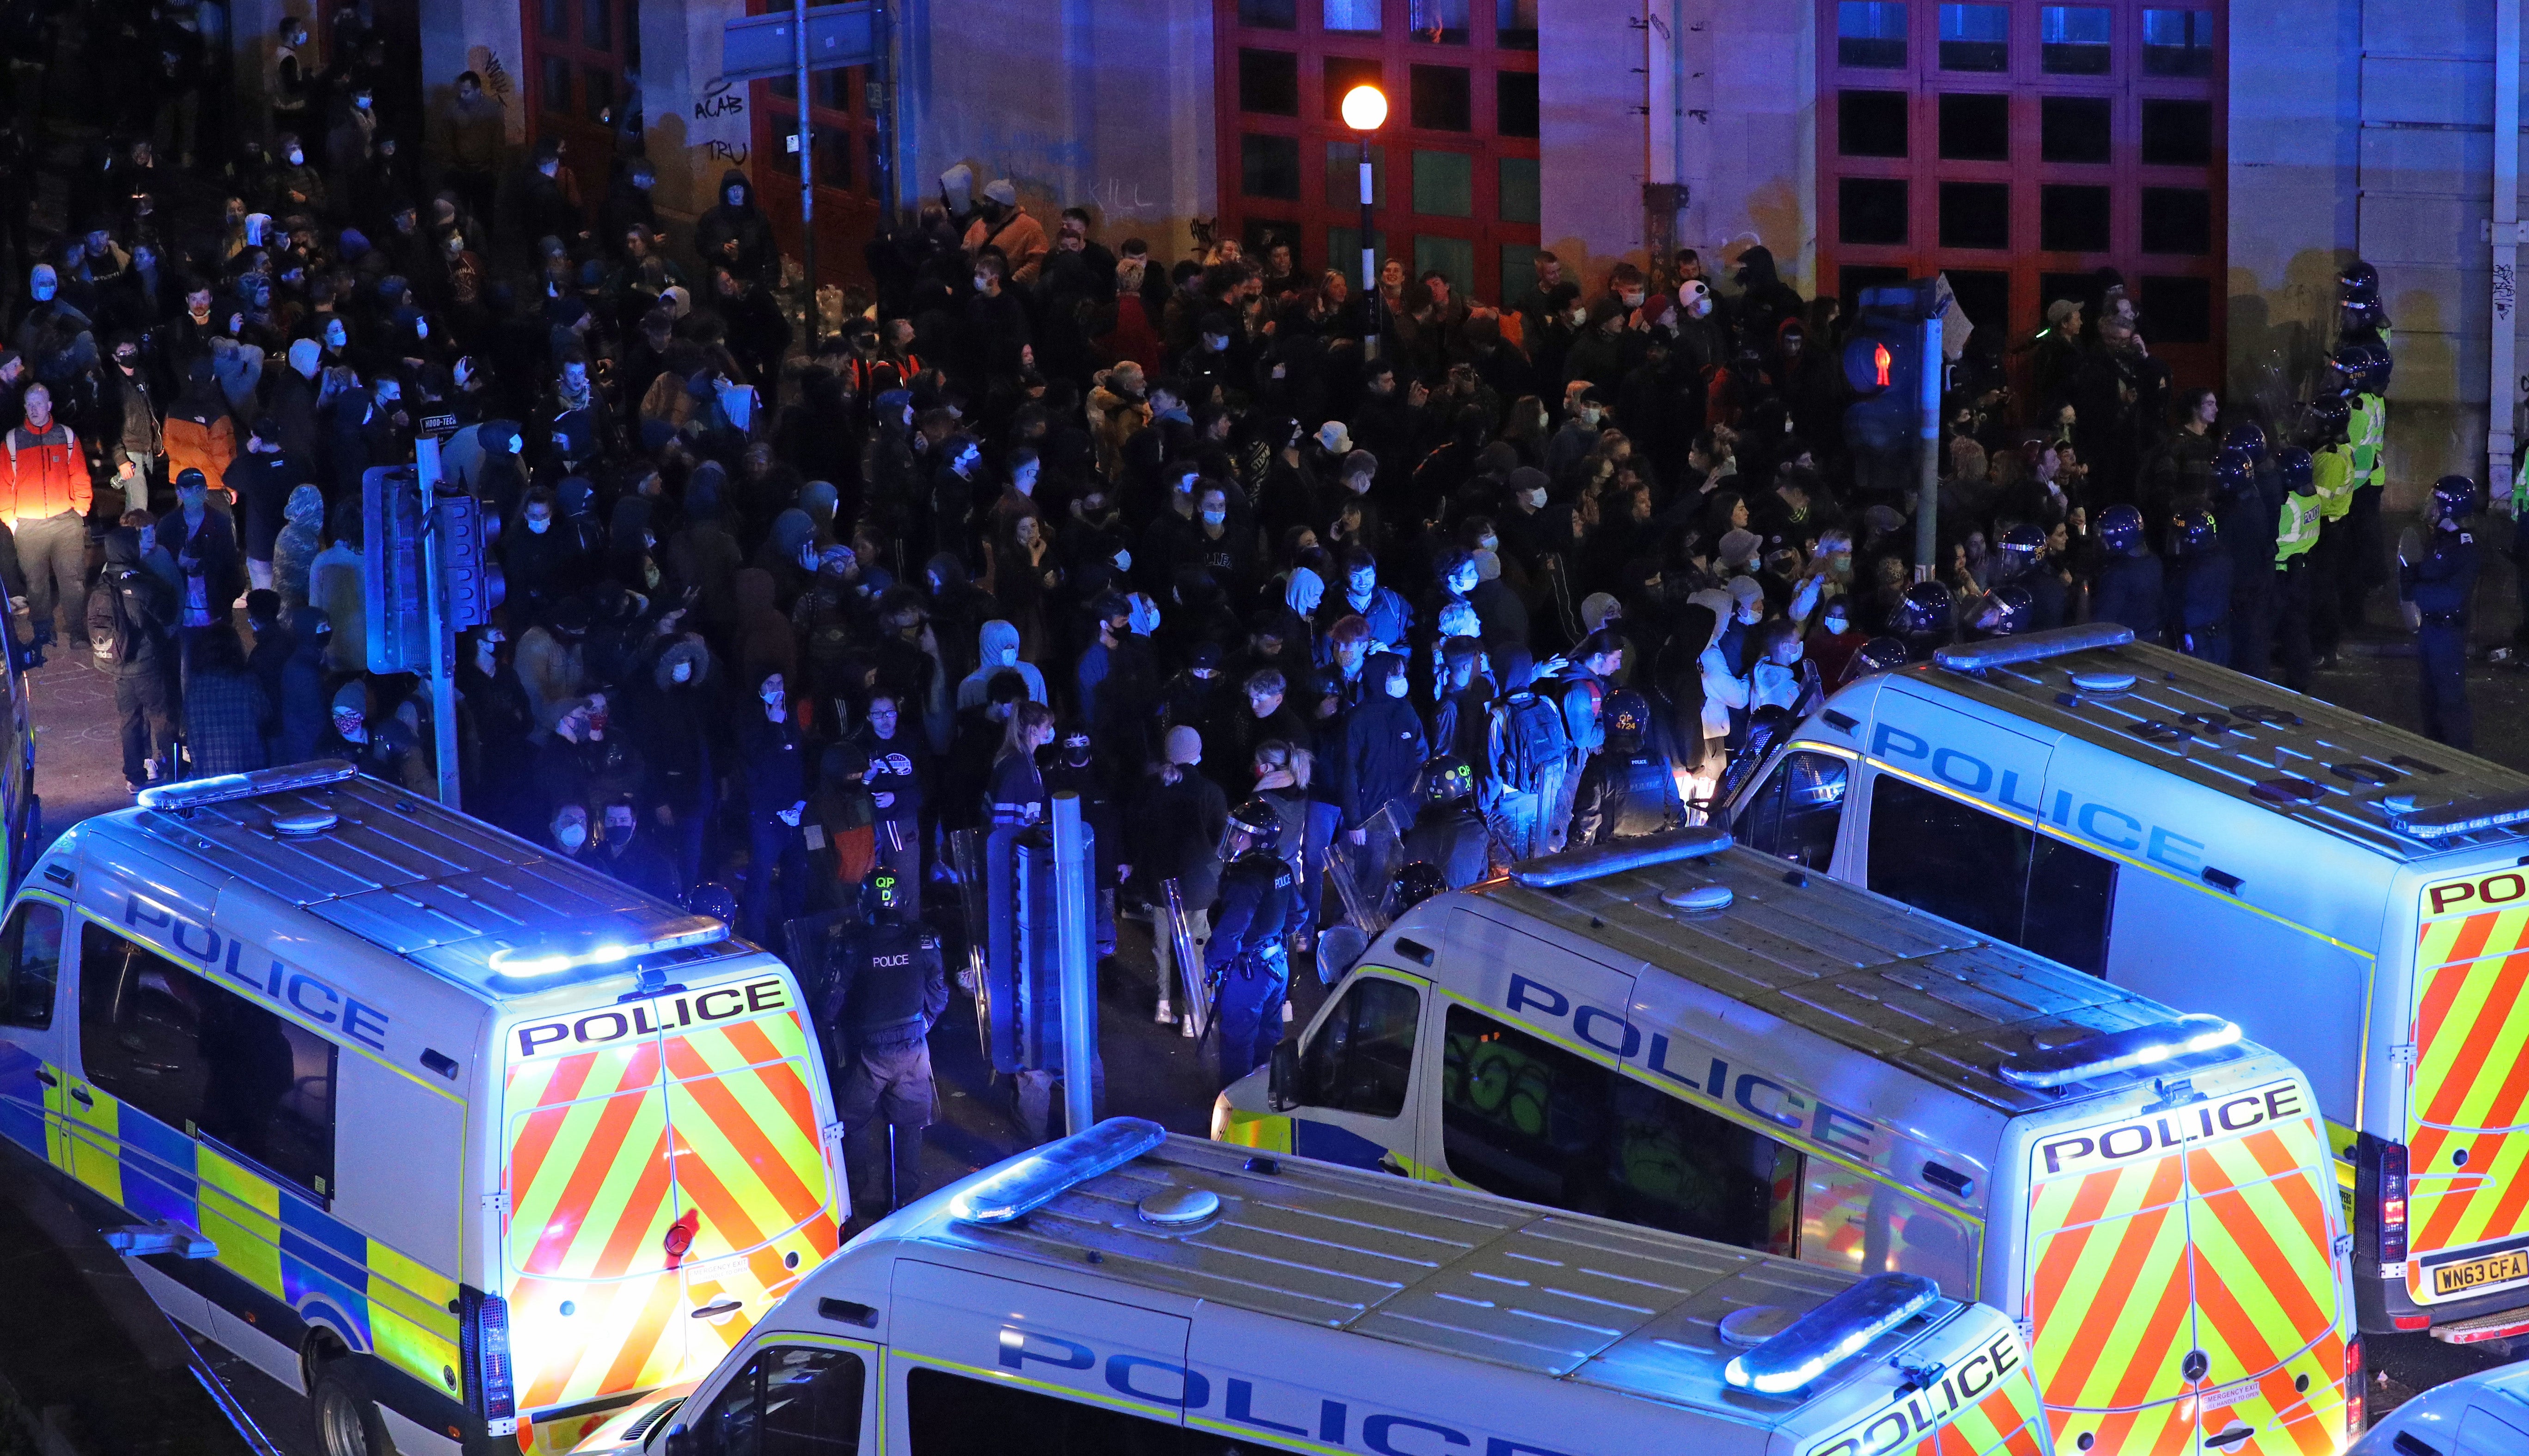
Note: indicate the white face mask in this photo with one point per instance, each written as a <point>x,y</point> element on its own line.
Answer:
<point>43,293</point>
<point>421,328</point>
<point>1123,561</point>
<point>572,836</point>
<point>1215,518</point>
<point>680,673</point>
<point>539,524</point>
<point>1536,500</point>
<point>297,158</point>
<point>335,336</point>
<point>1396,686</point>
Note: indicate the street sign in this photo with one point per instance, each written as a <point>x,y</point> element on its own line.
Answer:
<point>760,47</point>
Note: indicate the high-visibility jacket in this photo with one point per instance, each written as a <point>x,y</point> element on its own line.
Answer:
<point>2331,472</point>
<point>2367,429</point>
<point>47,476</point>
<point>2297,531</point>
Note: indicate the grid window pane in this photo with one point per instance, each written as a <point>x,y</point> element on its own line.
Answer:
<point>1975,214</point>
<point>2080,287</point>
<point>2073,40</point>
<point>558,74</point>
<point>1343,251</point>
<point>786,85</point>
<point>1270,15</point>
<point>600,93</point>
<point>1351,15</point>
<point>1984,297</point>
<point>2177,310</point>
<point>1269,82</point>
<point>553,17</point>
<point>1453,258</point>
<point>1444,183</point>
<point>1870,123</point>
<point>1976,128</point>
<point>1517,268</point>
<point>1870,32</point>
<point>2177,219</point>
<point>1442,99</point>
<point>2177,42</point>
<point>1870,209</point>
<point>1519,190</point>
<point>1514,103</point>
<point>1263,235</point>
<point>1853,280</point>
<point>1342,74</point>
<point>2073,219</point>
<point>1515,25</point>
<point>1343,173</point>
<point>1269,167</point>
<point>1438,22</point>
<point>2176,134</point>
<point>597,24</point>
<point>833,147</point>
<point>2074,129</point>
<point>1976,37</point>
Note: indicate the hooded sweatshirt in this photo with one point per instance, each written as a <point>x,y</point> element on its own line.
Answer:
<point>998,651</point>
<point>294,546</point>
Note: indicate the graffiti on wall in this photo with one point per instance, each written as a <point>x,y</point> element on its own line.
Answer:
<point>484,62</point>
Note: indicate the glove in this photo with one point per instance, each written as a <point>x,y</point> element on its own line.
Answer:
<point>790,815</point>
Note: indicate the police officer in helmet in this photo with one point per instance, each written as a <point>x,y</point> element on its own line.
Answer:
<point>2198,587</point>
<point>2436,580</point>
<point>1448,835</point>
<point>2004,611</point>
<point>2022,564</point>
<point>1243,960</point>
<point>1925,619</point>
<point>1415,883</point>
<point>1876,656</point>
<point>888,987</point>
<point>1627,790</point>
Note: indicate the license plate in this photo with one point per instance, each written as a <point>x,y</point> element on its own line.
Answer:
<point>2477,1273</point>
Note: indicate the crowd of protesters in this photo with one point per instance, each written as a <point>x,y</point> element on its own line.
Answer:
<point>1176,526</point>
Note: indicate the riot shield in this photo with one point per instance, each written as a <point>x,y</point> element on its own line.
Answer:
<point>1196,988</point>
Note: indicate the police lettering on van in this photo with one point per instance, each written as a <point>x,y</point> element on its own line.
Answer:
<point>2108,1147</point>
<point>1920,1414</point>
<point>2093,819</point>
<point>585,1029</point>
<point>260,971</point>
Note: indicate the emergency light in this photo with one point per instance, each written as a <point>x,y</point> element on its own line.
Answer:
<point>2441,821</point>
<point>681,932</point>
<point>193,794</point>
<point>2029,647</point>
<point>1022,1187</point>
<point>1576,865</point>
<point>2119,1052</point>
<point>1831,1334</point>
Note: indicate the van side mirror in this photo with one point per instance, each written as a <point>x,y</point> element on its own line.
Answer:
<point>682,1443</point>
<point>1282,1076</point>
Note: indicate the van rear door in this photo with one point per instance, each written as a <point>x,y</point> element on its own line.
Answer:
<point>2466,1126</point>
<point>666,1182</point>
<point>2182,1279</point>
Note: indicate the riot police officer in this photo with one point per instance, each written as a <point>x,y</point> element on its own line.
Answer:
<point>2005,610</point>
<point>1627,791</point>
<point>1415,883</point>
<point>2245,515</point>
<point>2198,605</point>
<point>1243,959</point>
<point>2128,587</point>
<point>1923,618</point>
<point>2024,565</point>
<point>1448,835</point>
<point>887,988</point>
<point>2297,532</point>
<point>2439,579</point>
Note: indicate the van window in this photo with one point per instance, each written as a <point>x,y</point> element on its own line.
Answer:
<point>790,1400</point>
<point>1524,1118</point>
<point>1796,812</point>
<point>31,964</point>
<point>1364,1054</point>
<point>957,1415</point>
<point>203,1058</point>
<point>1952,859</point>
<point>1863,1227</point>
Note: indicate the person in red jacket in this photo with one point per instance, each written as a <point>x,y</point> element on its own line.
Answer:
<point>44,499</point>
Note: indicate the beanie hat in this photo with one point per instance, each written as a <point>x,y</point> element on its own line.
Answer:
<point>1739,545</point>
<point>351,697</point>
<point>1184,745</point>
<point>1596,609</point>
<point>999,190</point>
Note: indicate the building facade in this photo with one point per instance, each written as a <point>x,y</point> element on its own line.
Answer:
<point>2224,156</point>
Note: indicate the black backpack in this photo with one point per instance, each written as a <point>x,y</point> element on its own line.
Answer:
<point>1527,737</point>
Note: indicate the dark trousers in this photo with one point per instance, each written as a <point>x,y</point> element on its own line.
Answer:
<point>2441,663</point>
<point>2326,569</point>
<point>884,1096</point>
<point>2252,619</point>
<point>53,553</point>
<point>147,703</point>
<point>2366,555</point>
<point>1250,1014</point>
<point>2292,622</point>
<point>775,854</point>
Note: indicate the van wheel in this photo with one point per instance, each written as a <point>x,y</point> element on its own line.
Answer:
<point>347,1425</point>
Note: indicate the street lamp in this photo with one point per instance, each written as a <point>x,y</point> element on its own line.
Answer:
<point>1365,110</point>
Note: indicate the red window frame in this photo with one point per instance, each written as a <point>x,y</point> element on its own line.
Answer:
<point>847,216</point>
<point>2125,85</point>
<point>1396,48</point>
<point>582,68</point>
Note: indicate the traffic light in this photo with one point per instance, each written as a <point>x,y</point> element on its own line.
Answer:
<point>473,580</point>
<point>1886,347</point>
<point>391,570</point>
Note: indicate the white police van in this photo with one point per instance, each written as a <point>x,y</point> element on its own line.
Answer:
<point>471,1144</point>
<point>2352,894</point>
<point>1699,1038</point>
<point>1126,1291</point>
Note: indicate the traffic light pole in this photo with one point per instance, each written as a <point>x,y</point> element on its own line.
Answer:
<point>1927,464</point>
<point>1368,257</point>
<point>442,673</point>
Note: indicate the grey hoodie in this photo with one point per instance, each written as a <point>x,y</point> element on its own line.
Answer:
<point>998,651</point>
<point>294,550</point>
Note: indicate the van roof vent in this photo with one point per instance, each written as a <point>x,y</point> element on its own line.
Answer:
<point>1179,1208</point>
<point>304,825</point>
<point>2030,647</point>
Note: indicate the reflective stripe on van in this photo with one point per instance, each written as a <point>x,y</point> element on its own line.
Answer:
<point>2468,1149</point>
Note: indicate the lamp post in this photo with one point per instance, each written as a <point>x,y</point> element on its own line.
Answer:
<point>1365,110</point>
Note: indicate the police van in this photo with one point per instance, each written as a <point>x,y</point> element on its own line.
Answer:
<point>1678,1033</point>
<point>1123,1292</point>
<point>2353,895</point>
<point>469,1144</point>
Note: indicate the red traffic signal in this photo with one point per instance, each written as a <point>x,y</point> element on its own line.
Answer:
<point>1876,361</point>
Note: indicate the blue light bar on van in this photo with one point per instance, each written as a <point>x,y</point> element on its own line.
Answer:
<point>2029,647</point>
<point>1573,866</point>
<point>193,794</point>
<point>2119,1052</point>
<point>529,961</point>
<point>2441,821</point>
<point>1054,1169</point>
<point>1832,1333</point>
